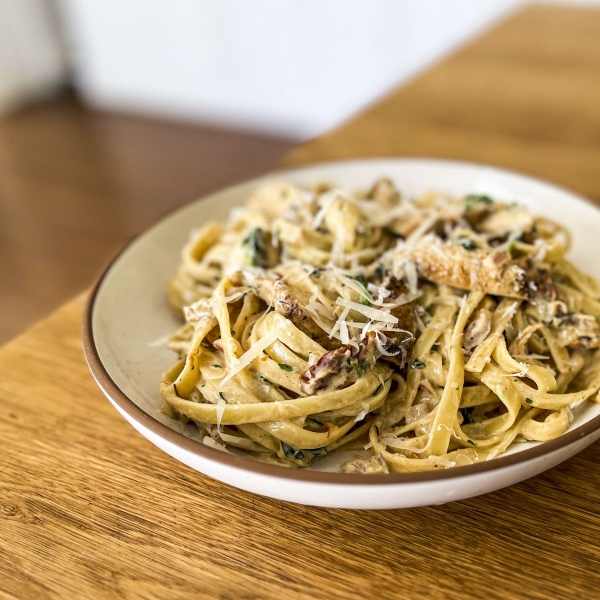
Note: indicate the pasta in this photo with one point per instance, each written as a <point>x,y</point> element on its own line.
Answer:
<point>420,333</point>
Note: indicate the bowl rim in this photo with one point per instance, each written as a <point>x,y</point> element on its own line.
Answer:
<point>133,411</point>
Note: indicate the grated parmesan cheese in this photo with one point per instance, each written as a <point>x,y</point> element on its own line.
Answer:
<point>208,441</point>
<point>253,352</point>
<point>368,311</point>
<point>220,410</point>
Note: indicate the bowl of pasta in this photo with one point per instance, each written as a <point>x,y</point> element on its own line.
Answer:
<point>368,334</point>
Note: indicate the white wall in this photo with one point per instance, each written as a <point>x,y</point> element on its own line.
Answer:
<point>297,67</point>
<point>32,61</point>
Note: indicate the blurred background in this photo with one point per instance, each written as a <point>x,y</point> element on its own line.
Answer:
<point>113,112</point>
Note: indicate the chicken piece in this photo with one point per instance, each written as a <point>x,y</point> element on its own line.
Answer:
<point>339,368</point>
<point>384,192</point>
<point>452,264</point>
<point>403,340</point>
<point>366,466</point>
<point>507,220</point>
<point>578,330</point>
<point>478,328</point>
<point>285,302</point>
<point>199,311</point>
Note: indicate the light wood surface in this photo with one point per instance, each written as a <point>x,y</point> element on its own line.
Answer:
<point>76,184</point>
<point>90,509</point>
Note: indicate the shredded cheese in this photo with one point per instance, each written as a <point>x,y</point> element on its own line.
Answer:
<point>368,311</point>
<point>253,352</point>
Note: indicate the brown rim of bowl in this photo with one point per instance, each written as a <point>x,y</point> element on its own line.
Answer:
<point>109,386</point>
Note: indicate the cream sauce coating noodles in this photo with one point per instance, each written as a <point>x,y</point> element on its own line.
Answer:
<point>432,332</point>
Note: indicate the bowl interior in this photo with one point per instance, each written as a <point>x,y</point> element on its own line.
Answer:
<point>131,314</point>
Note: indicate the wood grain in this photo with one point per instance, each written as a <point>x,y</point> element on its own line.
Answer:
<point>90,509</point>
<point>525,97</point>
<point>76,184</point>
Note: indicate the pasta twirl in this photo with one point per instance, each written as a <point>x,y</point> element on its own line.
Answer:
<point>432,332</point>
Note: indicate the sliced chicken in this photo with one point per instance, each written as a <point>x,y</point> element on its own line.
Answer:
<point>452,264</point>
<point>478,328</point>
<point>404,340</point>
<point>506,221</point>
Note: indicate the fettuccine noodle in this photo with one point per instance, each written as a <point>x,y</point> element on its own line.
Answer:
<point>429,332</point>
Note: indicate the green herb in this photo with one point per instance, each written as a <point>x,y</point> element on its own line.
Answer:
<point>203,385</point>
<point>380,271</point>
<point>285,367</point>
<point>467,244</point>
<point>529,400</point>
<point>473,199</point>
<point>319,451</point>
<point>360,368</point>
<point>232,331</point>
<point>363,282</point>
<point>377,390</point>
<point>255,246</point>
<point>217,367</point>
<point>471,442</point>
<point>418,364</point>
<point>222,397</point>
<point>291,453</point>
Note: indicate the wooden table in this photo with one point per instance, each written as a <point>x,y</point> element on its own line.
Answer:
<point>90,509</point>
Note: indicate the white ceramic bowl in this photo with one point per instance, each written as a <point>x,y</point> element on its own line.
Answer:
<point>128,310</point>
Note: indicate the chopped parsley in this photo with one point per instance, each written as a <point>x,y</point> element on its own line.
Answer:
<point>473,199</point>
<point>255,247</point>
<point>377,390</point>
<point>467,244</point>
<point>418,364</point>
<point>285,367</point>
<point>217,367</point>
<point>471,442</point>
<point>360,368</point>
<point>529,400</point>
<point>363,282</point>
<point>291,453</point>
